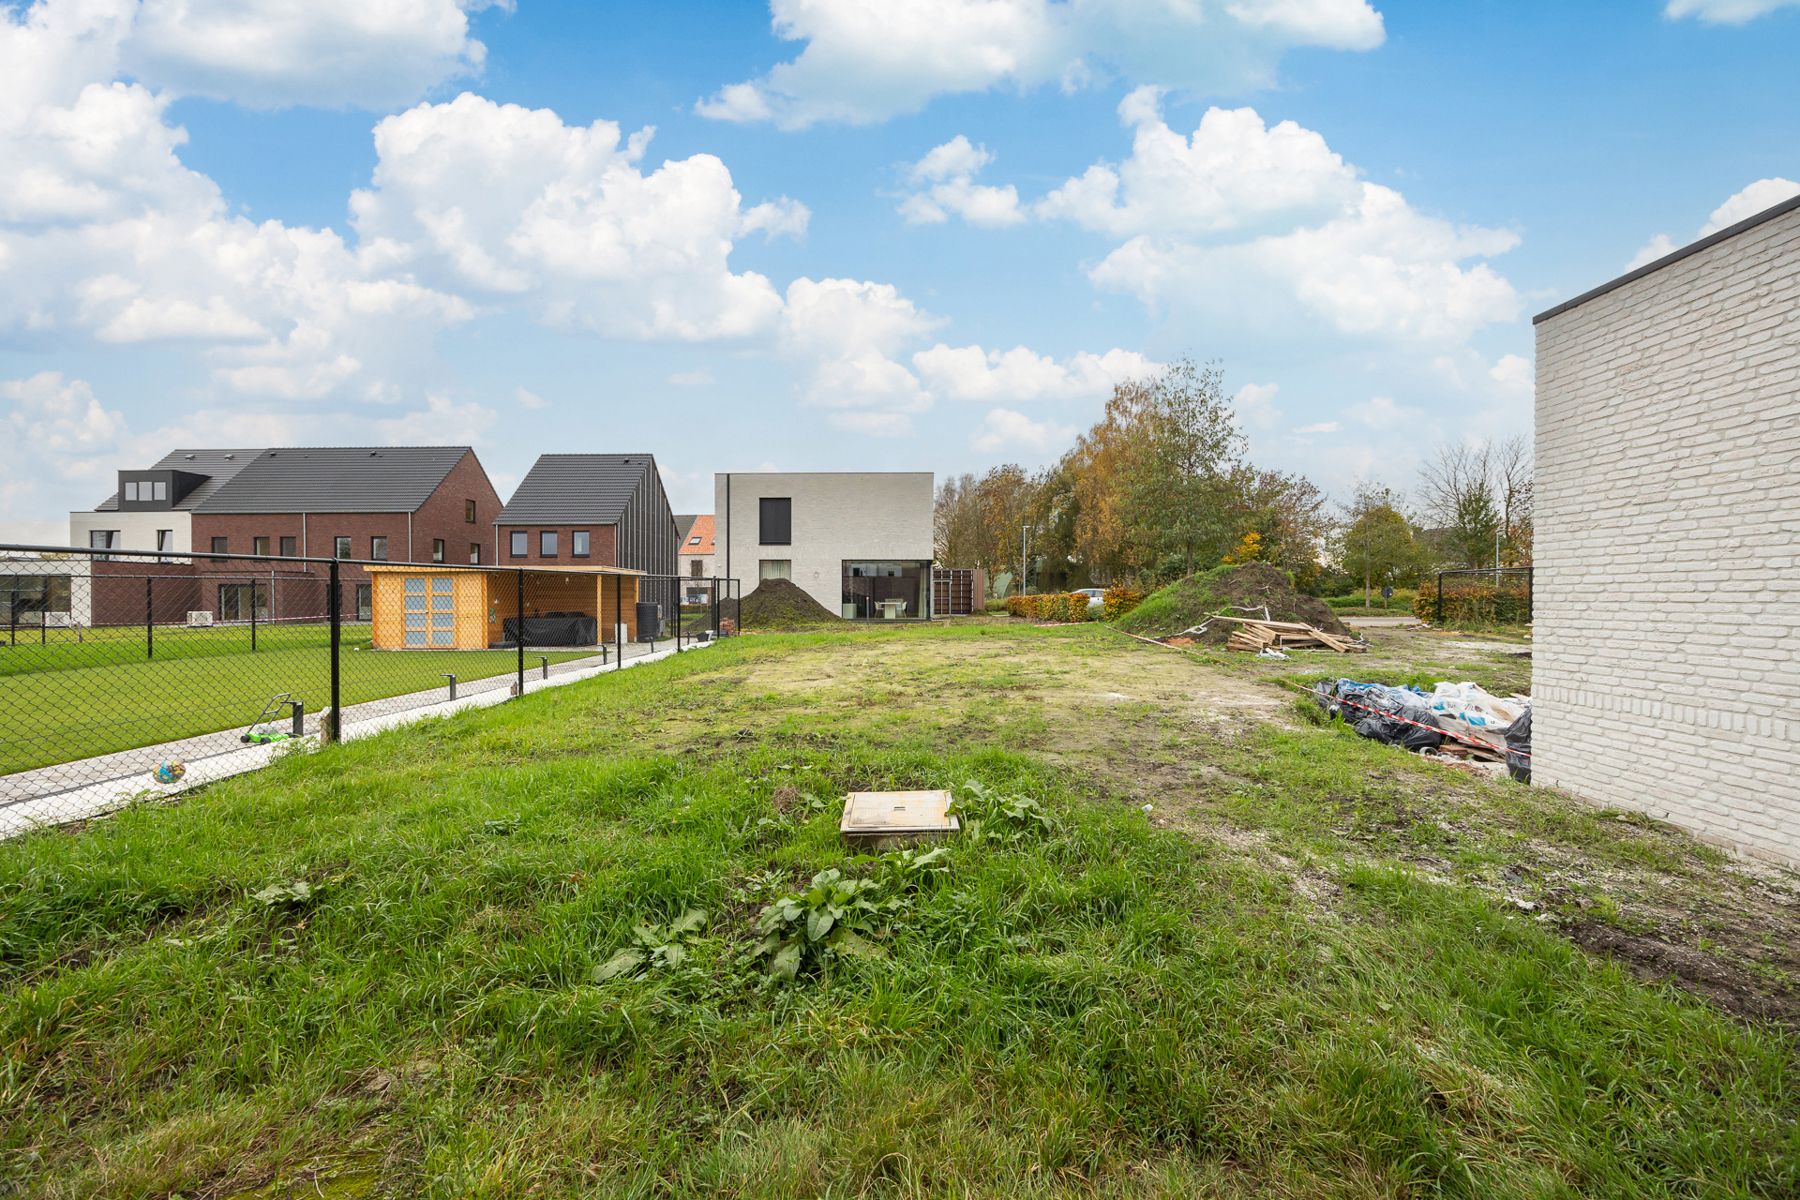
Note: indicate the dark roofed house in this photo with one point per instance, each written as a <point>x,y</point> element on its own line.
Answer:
<point>606,510</point>
<point>393,503</point>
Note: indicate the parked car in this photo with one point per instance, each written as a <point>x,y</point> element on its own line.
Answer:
<point>1096,597</point>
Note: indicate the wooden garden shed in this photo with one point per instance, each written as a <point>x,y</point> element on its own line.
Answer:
<point>416,607</point>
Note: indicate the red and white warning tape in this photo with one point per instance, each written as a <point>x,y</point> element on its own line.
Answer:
<point>1449,733</point>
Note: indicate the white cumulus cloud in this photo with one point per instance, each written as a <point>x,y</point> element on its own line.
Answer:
<point>868,60</point>
<point>945,178</point>
<point>1747,202</point>
<point>1004,430</point>
<point>1725,12</point>
<point>1021,375</point>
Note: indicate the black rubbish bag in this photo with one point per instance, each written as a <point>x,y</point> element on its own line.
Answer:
<point>1386,716</point>
<point>1518,748</point>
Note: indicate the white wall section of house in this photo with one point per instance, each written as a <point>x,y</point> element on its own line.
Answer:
<point>137,530</point>
<point>1667,637</point>
<point>838,517</point>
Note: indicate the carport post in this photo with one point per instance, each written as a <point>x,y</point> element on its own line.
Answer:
<point>519,631</point>
<point>618,621</point>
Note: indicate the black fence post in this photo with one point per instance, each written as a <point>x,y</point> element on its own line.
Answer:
<point>331,729</point>
<point>1438,614</point>
<point>519,630</point>
<point>149,619</point>
<point>253,614</point>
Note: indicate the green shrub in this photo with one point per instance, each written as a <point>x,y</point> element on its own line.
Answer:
<point>1402,601</point>
<point>1475,603</point>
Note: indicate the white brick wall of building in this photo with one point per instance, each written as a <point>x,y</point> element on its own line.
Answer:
<point>1666,674</point>
<point>837,516</point>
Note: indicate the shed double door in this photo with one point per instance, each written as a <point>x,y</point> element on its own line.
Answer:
<point>430,611</point>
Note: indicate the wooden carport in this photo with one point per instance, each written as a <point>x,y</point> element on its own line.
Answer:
<point>430,607</point>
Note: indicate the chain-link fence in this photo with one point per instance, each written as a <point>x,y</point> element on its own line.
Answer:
<point>124,671</point>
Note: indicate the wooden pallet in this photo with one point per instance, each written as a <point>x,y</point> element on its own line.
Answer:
<point>1255,636</point>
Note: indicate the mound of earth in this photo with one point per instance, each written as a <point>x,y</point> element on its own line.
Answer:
<point>1190,601</point>
<point>781,604</point>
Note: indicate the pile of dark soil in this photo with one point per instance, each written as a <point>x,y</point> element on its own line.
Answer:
<point>1190,601</point>
<point>781,604</point>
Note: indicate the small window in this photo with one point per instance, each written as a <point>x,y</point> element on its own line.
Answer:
<point>341,547</point>
<point>776,518</point>
<point>474,552</point>
<point>378,549</point>
<point>165,539</point>
<point>161,489</point>
<point>694,541</point>
<point>521,543</point>
<point>547,544</point>
<point>694,568</point>
<point>776,568</point>
<point>469,511</point>
<point>220,545</point>
<point>290,547</point>
<point>437,549</point>
<point>578,543</point>
<point>259,545</point>
<point>131,491</point>
<point>103,539</point>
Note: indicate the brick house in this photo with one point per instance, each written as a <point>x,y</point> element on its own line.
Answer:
<point>695,553</point>
<point>1667,597</point>
<point>601,510</point>
<point>387,503</point>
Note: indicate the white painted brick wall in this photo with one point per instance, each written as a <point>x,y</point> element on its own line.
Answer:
<point>1666,673</point>
<point>838,515</point>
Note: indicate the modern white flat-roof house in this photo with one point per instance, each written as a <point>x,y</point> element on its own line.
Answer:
<point>858,542</point>
<point>1667,543</point>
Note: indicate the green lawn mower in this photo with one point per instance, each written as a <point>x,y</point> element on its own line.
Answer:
<point>262,731</point>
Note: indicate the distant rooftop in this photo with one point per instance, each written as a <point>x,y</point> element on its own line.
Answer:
<point>577,489</point>
<point>217,465</point>
<point>318,479</point>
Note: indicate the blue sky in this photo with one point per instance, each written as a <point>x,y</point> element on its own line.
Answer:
<point>906,236</point>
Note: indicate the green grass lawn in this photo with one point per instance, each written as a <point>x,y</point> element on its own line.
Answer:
<point>71,699</point>
<point>371,970</point>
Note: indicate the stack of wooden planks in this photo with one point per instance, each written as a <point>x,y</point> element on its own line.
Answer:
<point>1257,635</point>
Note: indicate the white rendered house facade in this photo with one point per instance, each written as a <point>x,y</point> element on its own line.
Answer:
<point>858,542</point>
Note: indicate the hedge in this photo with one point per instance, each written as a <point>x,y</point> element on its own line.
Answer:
<point>1474,603</point>
<point>1120,599</point>
<point>1049,606</point>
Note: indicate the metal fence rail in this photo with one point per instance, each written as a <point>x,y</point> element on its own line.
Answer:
<point>129,667</point>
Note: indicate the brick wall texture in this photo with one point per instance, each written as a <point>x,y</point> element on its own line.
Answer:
<point>1667,638</point>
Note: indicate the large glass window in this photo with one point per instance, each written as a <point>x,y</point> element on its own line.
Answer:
<point>23,597</point>
<point>891,590</point>
<point>775,519</point>
<point>243,602</point>
<point>775,568</point>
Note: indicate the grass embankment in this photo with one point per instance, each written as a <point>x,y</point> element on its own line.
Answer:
<point>1246,991</point>
<point>1189,602</point>
<point>70,700</point>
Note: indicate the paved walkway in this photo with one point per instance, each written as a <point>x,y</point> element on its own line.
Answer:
<point>90,787</point>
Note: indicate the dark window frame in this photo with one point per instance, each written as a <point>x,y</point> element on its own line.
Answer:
<point>581,543</point>
<point>468,512</point>
<point>475,553</point>
<point>378,540</point>
<point>517,548</point>
<point>546,543</point>
<point>290,547</point>
<point>775,521</point>
<point>220,545</point>
<point>341,546</point>
<point>260,545</point>
<point>438,550</point>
